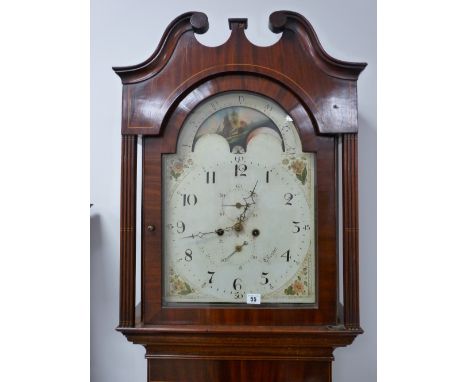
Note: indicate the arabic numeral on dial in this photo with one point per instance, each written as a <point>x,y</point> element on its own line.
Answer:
<point>264,278</point>
<point>297,228</point>
<point>210,177</point>
<point>189,199</point>
<point>180,227</point>
<point>188,255</point>
<point>286,255</point>
<point>210,281</point>
<point>288,197</point>
<point>237,284</point>
<point>240,169</point>
<point>268,176</point>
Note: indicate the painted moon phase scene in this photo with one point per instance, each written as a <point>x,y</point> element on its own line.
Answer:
<point>238,125</point>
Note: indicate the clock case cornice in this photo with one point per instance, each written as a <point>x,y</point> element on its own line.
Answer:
<point>326,86</point>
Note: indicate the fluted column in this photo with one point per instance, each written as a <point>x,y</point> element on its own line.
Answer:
<point>128,231</point>
<point>350,231</point>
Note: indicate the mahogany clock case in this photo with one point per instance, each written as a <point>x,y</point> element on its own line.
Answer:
<point>319,92</point>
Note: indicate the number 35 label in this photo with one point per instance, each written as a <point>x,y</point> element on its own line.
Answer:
<point>254,298</point>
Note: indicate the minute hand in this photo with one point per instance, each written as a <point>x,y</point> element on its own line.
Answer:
<point>218,231</point>
<point>199,234</point>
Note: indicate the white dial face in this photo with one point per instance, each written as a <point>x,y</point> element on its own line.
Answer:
<point>239,206</point>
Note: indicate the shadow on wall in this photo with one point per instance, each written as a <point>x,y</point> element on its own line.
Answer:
<point>95,234</point>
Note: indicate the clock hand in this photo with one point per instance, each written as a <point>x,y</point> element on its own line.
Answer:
<point>237,205</point>
<point>238,249</point>
<point>242,215</point>
<point>253,191</point>
<point>248,203</point>
<point>251,196</point>
<point>227,258</point>
<point>241,218</point>
<point>199,234</point>
<point>219,231</point>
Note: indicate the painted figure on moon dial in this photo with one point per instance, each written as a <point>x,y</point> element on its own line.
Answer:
<point>241,206</point>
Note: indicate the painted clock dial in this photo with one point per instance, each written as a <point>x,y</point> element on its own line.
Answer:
<point>239,198</point>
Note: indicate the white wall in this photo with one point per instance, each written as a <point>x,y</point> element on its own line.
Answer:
<point>125,32</point>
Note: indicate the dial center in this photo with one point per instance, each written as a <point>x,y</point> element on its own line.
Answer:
<point>238,227</point>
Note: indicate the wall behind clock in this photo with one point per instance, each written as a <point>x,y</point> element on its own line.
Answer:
<point>125,32</point>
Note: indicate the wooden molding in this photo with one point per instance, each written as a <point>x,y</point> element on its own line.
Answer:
<point>128,231</point>
<point>241,342</point>
<point>350,232</point>
<point>281,21</point>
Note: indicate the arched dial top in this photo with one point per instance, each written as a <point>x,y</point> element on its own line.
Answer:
<point>239,206</point>
<point>237,116</point>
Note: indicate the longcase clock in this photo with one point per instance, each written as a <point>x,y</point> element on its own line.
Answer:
<point>240,174</point>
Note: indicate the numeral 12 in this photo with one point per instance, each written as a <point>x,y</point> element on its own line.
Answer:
<point>240,169</point>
